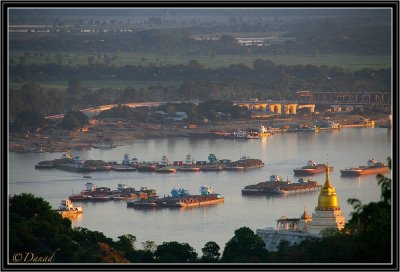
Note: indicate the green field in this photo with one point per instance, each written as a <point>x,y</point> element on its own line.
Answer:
<point>350,62</point>
<point>98,84</point>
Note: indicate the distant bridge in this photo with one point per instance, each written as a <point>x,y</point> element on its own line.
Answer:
<point>278,107</point>
<point>354,98</point>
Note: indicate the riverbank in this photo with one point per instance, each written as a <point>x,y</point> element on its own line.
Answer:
<point>119,131</point>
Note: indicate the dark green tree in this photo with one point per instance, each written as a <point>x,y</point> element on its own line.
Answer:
<point>74,119</point>
<point>28,120</point>
<point>211,252</point>
<point>245,246</point>
<point>174,252</point>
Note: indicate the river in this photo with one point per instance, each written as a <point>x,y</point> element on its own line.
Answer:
<point>281,153</point>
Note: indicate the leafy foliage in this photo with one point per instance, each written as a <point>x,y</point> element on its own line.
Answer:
<point>245,246</point>
<point>174,252</point>
<point>74,119</point>
<point>210,252</point>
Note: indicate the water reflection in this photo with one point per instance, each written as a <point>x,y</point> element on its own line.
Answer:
<point>75,218</point>
<point>281,153</point>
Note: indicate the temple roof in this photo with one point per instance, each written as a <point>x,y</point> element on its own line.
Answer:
<point>327,198</point>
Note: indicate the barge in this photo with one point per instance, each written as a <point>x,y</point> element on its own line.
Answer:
<point>311,168</point>
<point>95,194</point>
<point>277,186</point>
<point>373,167</point>
<point>180,199</point>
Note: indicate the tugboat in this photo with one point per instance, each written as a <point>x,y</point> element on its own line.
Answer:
<point>311,168</point>
<point>124,166</point>
<point>164,166</point>
<point>373,167</point>
<point>212,164</point>
<point>190,165</point>
<point>66,208</point>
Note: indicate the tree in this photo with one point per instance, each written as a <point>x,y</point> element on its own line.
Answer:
<point>28,120</point>
<point>36,227</point>
<point>174,252</point>
<point>210,252</point>
<point>244,246</point>
<point>74,119</point>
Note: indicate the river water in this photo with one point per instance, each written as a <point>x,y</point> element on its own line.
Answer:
<point>281,153</point>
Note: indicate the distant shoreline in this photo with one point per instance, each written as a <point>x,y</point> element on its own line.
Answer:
<point>64,141</point>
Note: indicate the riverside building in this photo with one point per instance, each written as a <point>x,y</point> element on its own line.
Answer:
<point>327,215</point>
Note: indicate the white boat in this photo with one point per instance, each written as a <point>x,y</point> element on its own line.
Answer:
<point>67,208</point>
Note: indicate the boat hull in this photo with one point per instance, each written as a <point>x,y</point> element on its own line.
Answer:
<point>189,169</point>
<point>311,171</point>
<point>166,170</point>
<point>365,171</point>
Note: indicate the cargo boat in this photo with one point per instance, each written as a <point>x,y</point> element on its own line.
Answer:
<point>166,170</point>
<point>212,169</point>
<point>244,163</point>
<point>189,169</point>
<point>311,168</point>
<point>44,165</point>
<point>93,193</point>
<point>122,167</point>
<point>373,167</point>
<point>190,165</point>
<point>277,186</point>
<point>146,167</point>
<point>234,168</point>
<point>180,199</point>
<point>66,208</point>
<point>142,203</point>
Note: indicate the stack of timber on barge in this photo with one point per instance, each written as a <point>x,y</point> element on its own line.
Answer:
<point>277,186</point>
<point>93,193</point>
<point>244,163</point>
<point>180,199</point>
<point>74,164</point>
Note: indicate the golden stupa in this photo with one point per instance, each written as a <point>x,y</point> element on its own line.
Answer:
<point>327,199</point>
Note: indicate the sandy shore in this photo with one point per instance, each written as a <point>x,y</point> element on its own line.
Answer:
<point>64,141</point>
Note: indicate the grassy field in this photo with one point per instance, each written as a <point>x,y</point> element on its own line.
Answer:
<point>98,84</point>
<point>351,62</point>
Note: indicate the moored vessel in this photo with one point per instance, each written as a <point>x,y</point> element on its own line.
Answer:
<point>276,185</point>
<point>311,168</point>
<point>44,165</point>
<point>146,167</point>
<point>67,208</point>
<point>373,167</point>
<point>190,165</point>
<point>166,170</point>
<point>93,193</point>
<point>180,198</point>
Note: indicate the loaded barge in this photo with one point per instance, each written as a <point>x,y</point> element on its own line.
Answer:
<point>180,199</point>
<point>373,167</point>
<point>93,193</point>
<point>277,186</point>
<point>311,168</point>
